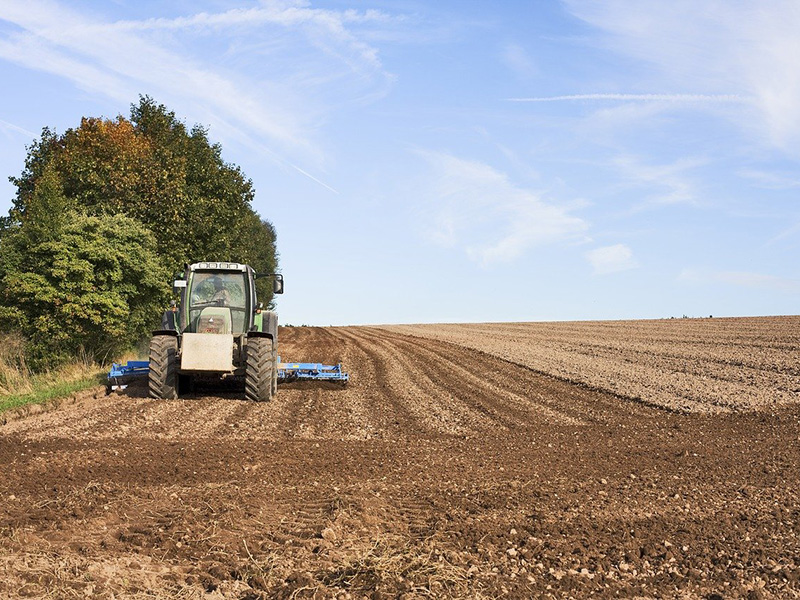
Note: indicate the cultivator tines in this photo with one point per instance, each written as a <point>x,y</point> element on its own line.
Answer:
<point>313,371</point>
<point>121,375</point>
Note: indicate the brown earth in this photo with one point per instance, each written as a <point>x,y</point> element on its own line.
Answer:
<point>690,365</point>
<point>439,471</point>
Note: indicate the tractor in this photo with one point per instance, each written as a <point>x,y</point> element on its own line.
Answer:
<point>218,330</point>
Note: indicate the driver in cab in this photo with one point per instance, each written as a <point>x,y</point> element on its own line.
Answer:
<point>218,292</point>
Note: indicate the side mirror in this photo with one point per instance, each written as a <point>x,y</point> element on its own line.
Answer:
<point>178,284</point>
<point>277,281</point>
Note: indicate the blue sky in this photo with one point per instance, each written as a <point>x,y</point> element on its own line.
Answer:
<point>458,161</point>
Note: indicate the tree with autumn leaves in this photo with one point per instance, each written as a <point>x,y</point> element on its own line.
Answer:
<point>104,216</point>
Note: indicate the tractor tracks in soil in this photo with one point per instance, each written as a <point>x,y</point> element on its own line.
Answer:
<point>438,471</point>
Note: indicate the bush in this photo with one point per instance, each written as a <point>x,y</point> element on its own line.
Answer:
<point>92,285</point>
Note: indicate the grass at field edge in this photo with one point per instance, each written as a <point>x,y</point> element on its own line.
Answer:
<point>51,391</point>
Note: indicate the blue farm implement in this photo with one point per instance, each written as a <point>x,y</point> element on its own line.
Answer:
<point>121,375</point>
<point>314,371</point>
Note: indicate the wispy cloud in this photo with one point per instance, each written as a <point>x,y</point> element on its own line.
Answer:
<point>666,184</point>
<point>771,180</point>
<point>637,98</point>
<point>611,259</point>
<point>320,25</point>
<point>9,128</point>
<point>255,104</point>
<point>741,279</point>
<point>787,233</point>
<point>719,47</point>
<point>474,207</point>
<point>518,60</point>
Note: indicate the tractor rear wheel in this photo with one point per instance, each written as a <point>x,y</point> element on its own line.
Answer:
<point>163,376</point>
<point>259,368</point>
<point>274,370</point>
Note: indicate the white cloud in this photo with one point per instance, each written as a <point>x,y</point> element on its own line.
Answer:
<point>476,208</point>
<point>244,92</point>
<point>611,259</point>
<point>771,180</point>
<point>787,233</point>
<point>750,49</point>
<point>321,26</point>
<point>671,182</point>
<point>741,279</point>
<point>10,128</point>
<point>637,98</point>
<point>519,60</point>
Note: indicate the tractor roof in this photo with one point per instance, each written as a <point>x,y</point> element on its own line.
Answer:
<point>218,266</point>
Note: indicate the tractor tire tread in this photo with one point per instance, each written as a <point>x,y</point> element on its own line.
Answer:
<point>274,370</point>
<point>258,379</point>
<point>162,380</point>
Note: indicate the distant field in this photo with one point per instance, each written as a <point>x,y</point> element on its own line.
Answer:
<point>691,365</point>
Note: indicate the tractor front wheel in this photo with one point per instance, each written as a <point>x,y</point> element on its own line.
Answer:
<point>163,376</point>
<point>259,370</point>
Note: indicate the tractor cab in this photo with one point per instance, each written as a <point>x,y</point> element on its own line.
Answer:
<point>217,302</point>
<point>219,297</point>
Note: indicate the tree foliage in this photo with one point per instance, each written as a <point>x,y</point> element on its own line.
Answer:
<point>94,284</point>
<point>107,198</point>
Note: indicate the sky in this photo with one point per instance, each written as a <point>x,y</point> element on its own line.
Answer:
<point>457,160</point>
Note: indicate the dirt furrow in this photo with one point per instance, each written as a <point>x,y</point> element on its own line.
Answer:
<point>435,406</point>
<point>370,372</point>
<point>694,365</point>
<point>441,470</point>
<point>410,393</point>
<point>475,383</point>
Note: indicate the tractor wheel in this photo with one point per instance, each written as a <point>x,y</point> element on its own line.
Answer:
<point>274,370</point>
<point>258,370</point>
<point>163,376</point>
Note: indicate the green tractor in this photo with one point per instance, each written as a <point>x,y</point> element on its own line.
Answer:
<point>217,331</point>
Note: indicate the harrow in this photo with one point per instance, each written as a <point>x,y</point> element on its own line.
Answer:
<point>315,371</point>
<point>121,375</point>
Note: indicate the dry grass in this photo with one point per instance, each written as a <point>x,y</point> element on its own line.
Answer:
<point>15,376</point>
<point>20,386</point>
<point>390,562</point>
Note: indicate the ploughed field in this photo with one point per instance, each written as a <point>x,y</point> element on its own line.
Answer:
<point>631,459</point>
<point>709,365</point>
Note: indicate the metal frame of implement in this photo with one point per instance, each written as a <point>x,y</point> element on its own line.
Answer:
<point>314,371</point>
<point>121,375</point>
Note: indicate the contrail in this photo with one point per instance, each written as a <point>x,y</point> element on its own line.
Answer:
<point>312,178</point>
<point>16,128</point>
<point>284,163</point>
<point>637,97</point>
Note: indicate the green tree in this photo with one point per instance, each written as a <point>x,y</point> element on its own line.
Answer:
<point>151,168</point>
<point>94,208</point>
<point>91,284</point>
<point>211,215</point>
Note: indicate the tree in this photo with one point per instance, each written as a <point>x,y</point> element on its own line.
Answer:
<point>169,186</point>
<point>92,283</point>
<point>151,168</point>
